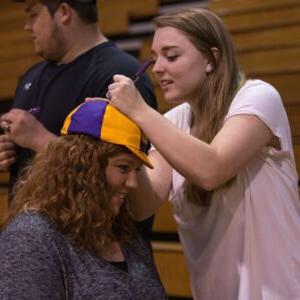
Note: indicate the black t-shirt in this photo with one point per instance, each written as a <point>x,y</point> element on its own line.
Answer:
<point>58,89</point>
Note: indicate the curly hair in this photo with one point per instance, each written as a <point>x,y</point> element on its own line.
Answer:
<point>67,182</point>
<point>205,30</point>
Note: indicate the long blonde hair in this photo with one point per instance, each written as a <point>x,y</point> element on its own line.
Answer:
<point>206,30</point>
<point>67,183</point>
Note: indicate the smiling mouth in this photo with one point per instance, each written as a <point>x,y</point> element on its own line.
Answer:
<point>121,196</point>
<point>165,83</point>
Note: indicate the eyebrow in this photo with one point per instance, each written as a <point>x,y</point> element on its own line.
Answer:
<point>123,160</point>
<point>166,48</point>
<point>128,161</point>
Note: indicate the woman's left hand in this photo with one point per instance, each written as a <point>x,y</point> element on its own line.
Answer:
<point>123,95</point>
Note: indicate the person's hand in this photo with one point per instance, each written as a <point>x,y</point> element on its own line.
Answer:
<point>25,130</point>
<point>7,152</point>
<point>123,95</point>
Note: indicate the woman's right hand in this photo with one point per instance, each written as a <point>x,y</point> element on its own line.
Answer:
<point>123,95</point>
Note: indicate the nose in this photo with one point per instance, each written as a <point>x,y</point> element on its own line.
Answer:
<point>157,66</point>
<point>27,25</point>
<point>131,180</point>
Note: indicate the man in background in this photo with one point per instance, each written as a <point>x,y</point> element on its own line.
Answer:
<point>79,62</point>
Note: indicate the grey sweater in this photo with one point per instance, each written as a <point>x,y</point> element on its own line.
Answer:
<point>38,262</point>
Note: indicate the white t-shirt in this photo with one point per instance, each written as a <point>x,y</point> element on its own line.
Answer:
<point>246,245</point>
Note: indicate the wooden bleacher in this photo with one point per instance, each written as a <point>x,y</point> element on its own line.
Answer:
<point>121,11</point>
<point>169,257</point>
<point>266,34</point>
<point>16,51</point>
<point>172,267</point>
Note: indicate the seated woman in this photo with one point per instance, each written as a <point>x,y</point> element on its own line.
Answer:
<point>68,233</point>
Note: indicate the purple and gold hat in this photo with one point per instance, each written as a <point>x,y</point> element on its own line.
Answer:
<point>104,122</point>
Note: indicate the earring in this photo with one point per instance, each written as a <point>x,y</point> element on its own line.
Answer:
<point>209,68</point>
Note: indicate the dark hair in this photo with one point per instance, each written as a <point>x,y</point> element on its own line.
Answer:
<point>88,12</point>
<point>67,183</point>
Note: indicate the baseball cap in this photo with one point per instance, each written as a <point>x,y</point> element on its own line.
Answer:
<point>102,121</point>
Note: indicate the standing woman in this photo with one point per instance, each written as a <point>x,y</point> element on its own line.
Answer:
<point>68,234</point>
<point>224,158</point>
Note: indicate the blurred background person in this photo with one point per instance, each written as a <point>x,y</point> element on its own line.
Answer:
<point>79,62</point>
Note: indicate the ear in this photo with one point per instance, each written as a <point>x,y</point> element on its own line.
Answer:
<point>210,66</point>
<point>64,13</point>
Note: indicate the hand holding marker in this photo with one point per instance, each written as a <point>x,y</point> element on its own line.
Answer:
<point>141,70</point>
<point>6,126</point>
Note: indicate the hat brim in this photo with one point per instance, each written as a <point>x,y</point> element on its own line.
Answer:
<point>141,155</point>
